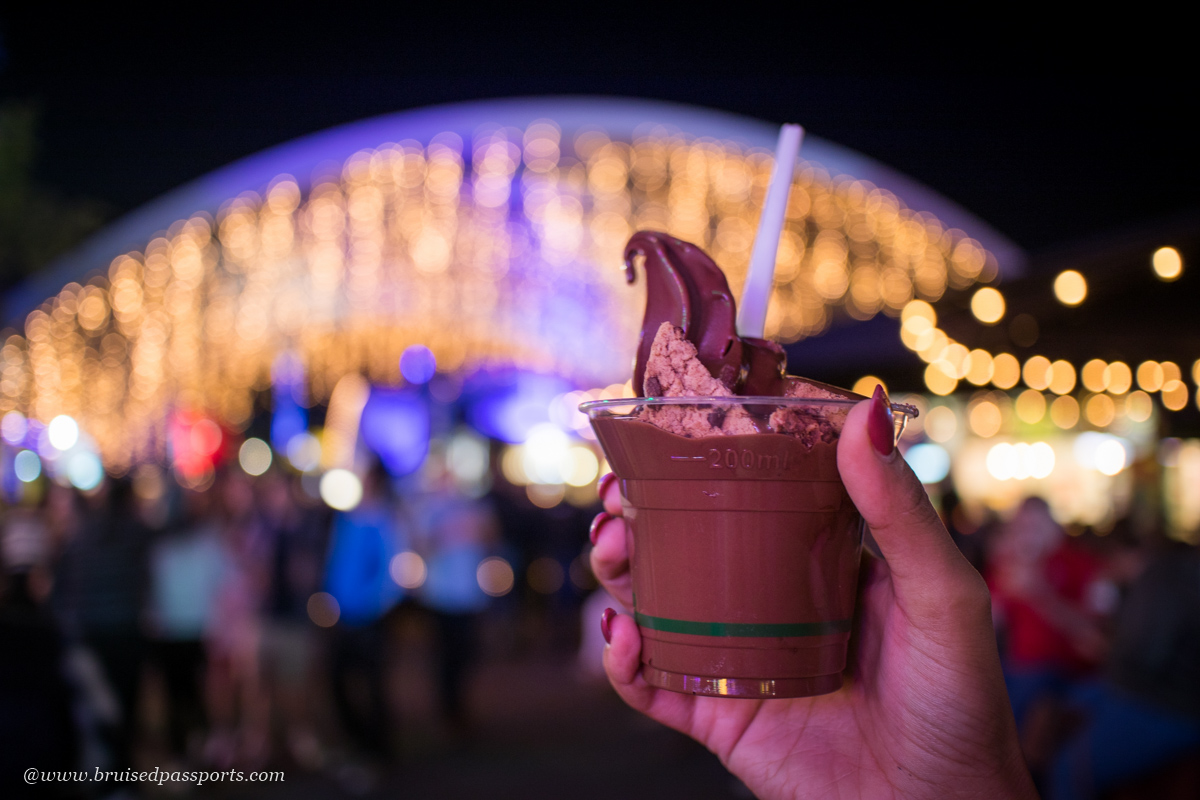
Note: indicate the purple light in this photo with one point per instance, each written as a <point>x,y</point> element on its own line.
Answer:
<point>506,405</point>
<point>395,425</point>
<point>417,364</point>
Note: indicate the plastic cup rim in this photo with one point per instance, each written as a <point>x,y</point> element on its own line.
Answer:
<point>757,400</point>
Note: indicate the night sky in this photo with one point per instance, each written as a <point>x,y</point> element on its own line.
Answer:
<point>132,107</point>
<point>1076,147</point>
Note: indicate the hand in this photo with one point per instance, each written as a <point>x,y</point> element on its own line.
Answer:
<point>925,713</point>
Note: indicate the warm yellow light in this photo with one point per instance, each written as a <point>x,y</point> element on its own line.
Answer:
<point>1064,412</point>
<point>980,370</point>
<point>937,344</point>
<point>866,385</point>
<point>1062,377</point>
<point>1093,375</point>
<point>1196,372</point>
<point>1031,406</point>
<point>1150,376</point>
<point>1006,371</point>
<point>918,309</point>
<point>1168,265</point>
<point>1174,395</point>
<point>1037,373</point>
<point>1118,377</point>
<point>1138,406</point>
<point>1070,288</point>
<point>939,379</point>
<point>1171,371</point>
<point>985,419</point>
<point>941,424</point>
<point>1100,410</point>
<point>988,305</point>
<point>959,358</point>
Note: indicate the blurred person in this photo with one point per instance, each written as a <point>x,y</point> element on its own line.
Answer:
<point>295,547</point>
<point>236,698</point>
<point>1143,714</point>
<point>1044,592</point>
<point>188,566</point>
<point>924,712</point>
<point>460,532</point>
<point>37,725</point>
<point>100,590</point>
<point>363,542</point>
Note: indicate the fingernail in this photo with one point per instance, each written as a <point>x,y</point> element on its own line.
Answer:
<point>880,426</point>
<point>597,523</point>
<point>605,482</point>
<point>606,624</point>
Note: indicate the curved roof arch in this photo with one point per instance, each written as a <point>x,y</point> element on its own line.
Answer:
<point>620,117</point>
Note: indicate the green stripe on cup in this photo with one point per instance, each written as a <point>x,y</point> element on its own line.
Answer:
<point>743,629</point>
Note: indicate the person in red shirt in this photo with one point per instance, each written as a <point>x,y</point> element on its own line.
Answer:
<point>1045,602</point>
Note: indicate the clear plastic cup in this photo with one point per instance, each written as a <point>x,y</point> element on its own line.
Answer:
<point>744,546</point>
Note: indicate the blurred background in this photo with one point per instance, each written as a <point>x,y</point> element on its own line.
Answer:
<point>298,315</point>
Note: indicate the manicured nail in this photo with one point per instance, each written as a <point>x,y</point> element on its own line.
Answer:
<point>880,426</point>
<point>606,624</point>
<point>605,482</point>
<point>597,524</point>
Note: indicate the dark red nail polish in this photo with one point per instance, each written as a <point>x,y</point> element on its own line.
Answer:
<point>605,482</point>
<point>880,427</point>
<point>606,624</point>
<point>597,523</point>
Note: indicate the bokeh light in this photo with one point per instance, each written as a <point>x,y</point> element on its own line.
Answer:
<point>1168,264</point>
<point>341,489</point>
<point>1118,378</point>
<point>987,304</point>
<point>1064,412</point>
<point>304,452</point>
<point>1070,287</point>
<point>13,427</point>
<point>418,364</point>
<point>323,609</point>
<point>941,423</point>
<point>494,576</point>
<point>1094,375</point>
<point>63,432</point>
<point>255,456</point>
<point>27,466</point>
<point>1139,406</point>
<point>1174,395</point>
<point>408,570</point>
<point>1030,406</point>
<point>1150,376</point>
<point>930,462</point>
<point>84,470</point>
<point>866,385</point>
<point>1006,371</point>
<point>985,419</point>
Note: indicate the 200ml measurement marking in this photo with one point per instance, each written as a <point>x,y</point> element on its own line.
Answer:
<point>745,459</point>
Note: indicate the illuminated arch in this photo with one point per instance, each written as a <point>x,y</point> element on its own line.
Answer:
<point>489,232</point>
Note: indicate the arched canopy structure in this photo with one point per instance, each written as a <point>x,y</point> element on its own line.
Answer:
<point>489,232</point>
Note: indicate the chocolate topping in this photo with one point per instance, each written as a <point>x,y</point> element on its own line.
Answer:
<point>686,288</point>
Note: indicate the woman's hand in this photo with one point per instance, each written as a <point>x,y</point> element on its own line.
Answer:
<point>925,713</point>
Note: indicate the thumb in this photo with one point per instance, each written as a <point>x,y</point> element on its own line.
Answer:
<point>924,562</point>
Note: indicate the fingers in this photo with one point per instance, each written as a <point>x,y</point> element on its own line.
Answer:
<point>610,554</point>
<point>610,558</point>
<point>610,494</point>
<point>622,663</point>
<point>922,559</point>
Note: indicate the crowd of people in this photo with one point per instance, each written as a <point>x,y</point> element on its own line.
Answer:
<point>260,623</point>
<point>263,621</point>
<point>1099,636</point>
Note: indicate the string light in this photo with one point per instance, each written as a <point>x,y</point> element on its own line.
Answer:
<point>497,251</point>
